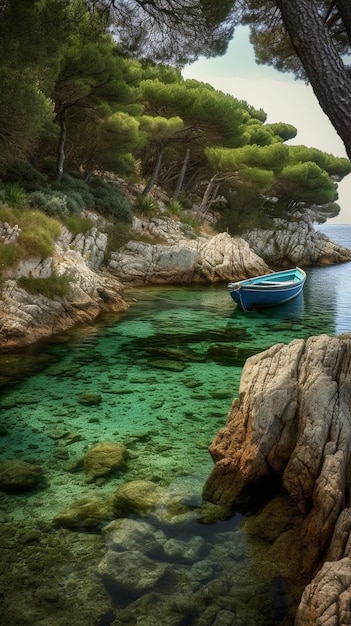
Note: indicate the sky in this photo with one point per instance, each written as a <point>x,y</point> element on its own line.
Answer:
<point>283,98</point>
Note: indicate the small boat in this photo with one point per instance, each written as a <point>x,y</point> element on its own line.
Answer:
<point>269,289</point>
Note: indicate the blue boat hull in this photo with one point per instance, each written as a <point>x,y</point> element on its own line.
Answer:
<point>268,290</point>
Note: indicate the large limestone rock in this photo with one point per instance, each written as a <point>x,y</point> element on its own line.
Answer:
<point>202,260</point>
<point>288,435</point>
<point>296,242</point>
<point>25,317</point>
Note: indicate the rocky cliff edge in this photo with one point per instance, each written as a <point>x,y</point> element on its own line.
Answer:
<point>285,455</point>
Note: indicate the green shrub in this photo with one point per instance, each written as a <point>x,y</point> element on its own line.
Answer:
<point>50,287</point>
<point>175,207</point>
<point>77,224</point>
<point>8,214</point>
<point>15,196</point>
<point>118,234</point>
<point>38,200</point>
<point>75,202</point>
<point>24,174</point>
<point>38,233</point>
<point>145,205</point>
<point>53,203</point>
<point>10,255</point>
<point>57,204</point>
<point>72,185</point>
<point>109,200</point>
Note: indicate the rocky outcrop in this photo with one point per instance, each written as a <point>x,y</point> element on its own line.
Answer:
<point>288,441</point>
<point>202,260</point>
<point>26,317</point>
<point>182,259</point>
<point>296,242</point>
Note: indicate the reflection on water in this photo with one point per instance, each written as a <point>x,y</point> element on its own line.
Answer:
<point>166,374</point>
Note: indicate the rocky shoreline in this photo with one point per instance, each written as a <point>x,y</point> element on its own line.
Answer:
<point>285,444</point>
<point>97,286</point>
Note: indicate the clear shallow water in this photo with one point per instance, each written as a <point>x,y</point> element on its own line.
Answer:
<point>167,372</point>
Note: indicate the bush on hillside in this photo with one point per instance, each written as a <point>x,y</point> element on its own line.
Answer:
<point>77,224</point>
<point>109,200</point>
<point>10,255</point>
<point>145,205</point>
<point>50,287</point>
<point>73,187</point>
<point>25,175</point>
<point>15,196</point>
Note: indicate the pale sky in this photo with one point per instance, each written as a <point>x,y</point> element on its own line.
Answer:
<point>282,98</point>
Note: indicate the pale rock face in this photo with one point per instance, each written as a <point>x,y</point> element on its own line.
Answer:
<point>296,243</point>
<point>90,247</point>
<point>293,420</point>
<point>218,259</point>
<point>25,318</point>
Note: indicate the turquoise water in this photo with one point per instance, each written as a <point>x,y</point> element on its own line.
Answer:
<point>166,373</point>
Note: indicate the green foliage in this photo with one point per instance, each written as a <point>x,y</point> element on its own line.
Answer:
<point>25,175</point>
<point>50,287</point>
<point>337,167</point>
<point>145,205</point>
<point>15,196</point>
<point>242,212</point>
<point>118,234</point>
<point>10,255</point>
<point>38,233</point>
<point>175,208</point>
<point>282,130</point>
<point>272,157</point>
<point>60,70</point>
<point>307,183</point>
<point>73,185</point>
<point>77,224</point>
<point>53,203</point>
<point>160,128</point>
<point>109,200</point>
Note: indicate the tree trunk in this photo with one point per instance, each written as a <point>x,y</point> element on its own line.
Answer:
<point>329,77</point>
<point>154,176</point>
<point>208,196</point>
<point>61,146</point>
<point>182,174</point>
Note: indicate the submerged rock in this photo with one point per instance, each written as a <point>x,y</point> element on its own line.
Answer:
<point>128,534</point>
<point>89,513</point>
<point>102,459</point>
<point>89,399</point>
<point>18,475</point>
<point>138,497</point>
<point>131,572</point>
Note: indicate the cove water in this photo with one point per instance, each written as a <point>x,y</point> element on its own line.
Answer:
<point>167,372</point>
